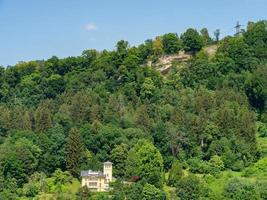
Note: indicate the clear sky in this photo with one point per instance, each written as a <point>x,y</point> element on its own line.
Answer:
<point>39,29</point>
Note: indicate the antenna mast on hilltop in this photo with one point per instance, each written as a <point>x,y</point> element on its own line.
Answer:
<point>238,29</point>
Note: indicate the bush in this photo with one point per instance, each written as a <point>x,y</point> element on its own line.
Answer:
<point>262,187</point>
<point>83,193</point>
<point>216,165</point>
<point>238,165</point>
<point>100,196</point>
<point>198,166</point>
<point>30,190</point>
<point>134,192</point>
<point>175,174</point>
<point>150,192</point>
<point>191,188</point>
<point>258,169</point>
<point>262,130</point>
<point>237,189</point>
<point>209,178</point>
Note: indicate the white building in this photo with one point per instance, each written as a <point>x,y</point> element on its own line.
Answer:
<point>98,181</point>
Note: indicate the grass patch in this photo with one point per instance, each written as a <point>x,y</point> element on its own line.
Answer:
<point>217,184</point>
<point>69,191</point>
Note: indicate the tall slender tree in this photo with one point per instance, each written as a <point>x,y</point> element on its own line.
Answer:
<point>75,152</point>
<point>43,119</point>
<point>205,35</point>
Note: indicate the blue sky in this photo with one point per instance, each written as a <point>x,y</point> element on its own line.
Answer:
<point>39,29</point>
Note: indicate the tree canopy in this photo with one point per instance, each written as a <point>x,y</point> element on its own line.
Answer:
<point>203,116</point>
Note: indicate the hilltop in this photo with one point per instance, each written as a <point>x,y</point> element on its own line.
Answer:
<point>165,62</point>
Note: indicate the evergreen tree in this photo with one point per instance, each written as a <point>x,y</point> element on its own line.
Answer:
<point>205,35</point>
<point>42,117</point>
<point>75,152</point>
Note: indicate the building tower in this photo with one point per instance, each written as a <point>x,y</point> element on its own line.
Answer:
<point>108,170</point>
<point>238,29</point>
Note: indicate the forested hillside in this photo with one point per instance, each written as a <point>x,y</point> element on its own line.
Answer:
<point>197,132</point>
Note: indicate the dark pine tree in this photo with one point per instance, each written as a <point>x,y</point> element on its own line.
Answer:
<point>75,152</point>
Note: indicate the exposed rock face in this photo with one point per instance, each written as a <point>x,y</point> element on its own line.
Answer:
<point>165,62</point>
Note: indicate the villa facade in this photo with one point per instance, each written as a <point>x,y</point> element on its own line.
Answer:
<point>96,180</point>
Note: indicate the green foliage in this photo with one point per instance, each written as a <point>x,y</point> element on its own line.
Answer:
<point>100,196</point>
<point>255,36</point>
<point>61,178</point>
<point>216,165</point>
<point>55,153</point>
<point>175,174</point>
<point>75,152</point>
<point>148,88</point>
<point>118,157</point>
<point>171,43</point>
<point>118,190</point>
<point>236,49</point>
<point>53,85</point>
<point>83,193</point>
<point>190,188</point>
<point>19,159</point>
<point>239,189</point>
<point>145,162</point>
<point>203,113</point>
<point>134,192</point>
<point>262,130</point>
<point>158,47</point>
<point>256,88</point>
<point>8,187</point>
<point>262,187</point>
<point>259,168</point>
<point>197,165</point>
<point>206,37</point>
<point>192,40</point>
<point>150,192</point>
<point>37,183</point>
<point>42,118</point>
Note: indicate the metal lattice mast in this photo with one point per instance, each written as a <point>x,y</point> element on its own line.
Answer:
<point>238,29</point>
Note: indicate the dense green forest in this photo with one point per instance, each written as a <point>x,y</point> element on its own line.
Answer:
<point>197,132</point>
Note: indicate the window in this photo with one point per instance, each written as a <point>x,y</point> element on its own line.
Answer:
<point>92,184</point>
<point>92,178</point>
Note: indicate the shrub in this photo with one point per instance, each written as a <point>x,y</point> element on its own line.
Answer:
<point>237,189</point>
<point>262,187</point>
<point>259,168</point>
<point>262,130</point>
<point>191,188</point>
<point>216,165</point>
<point>198,166</point>
<point>150,192</point>
<point>175,174</point>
